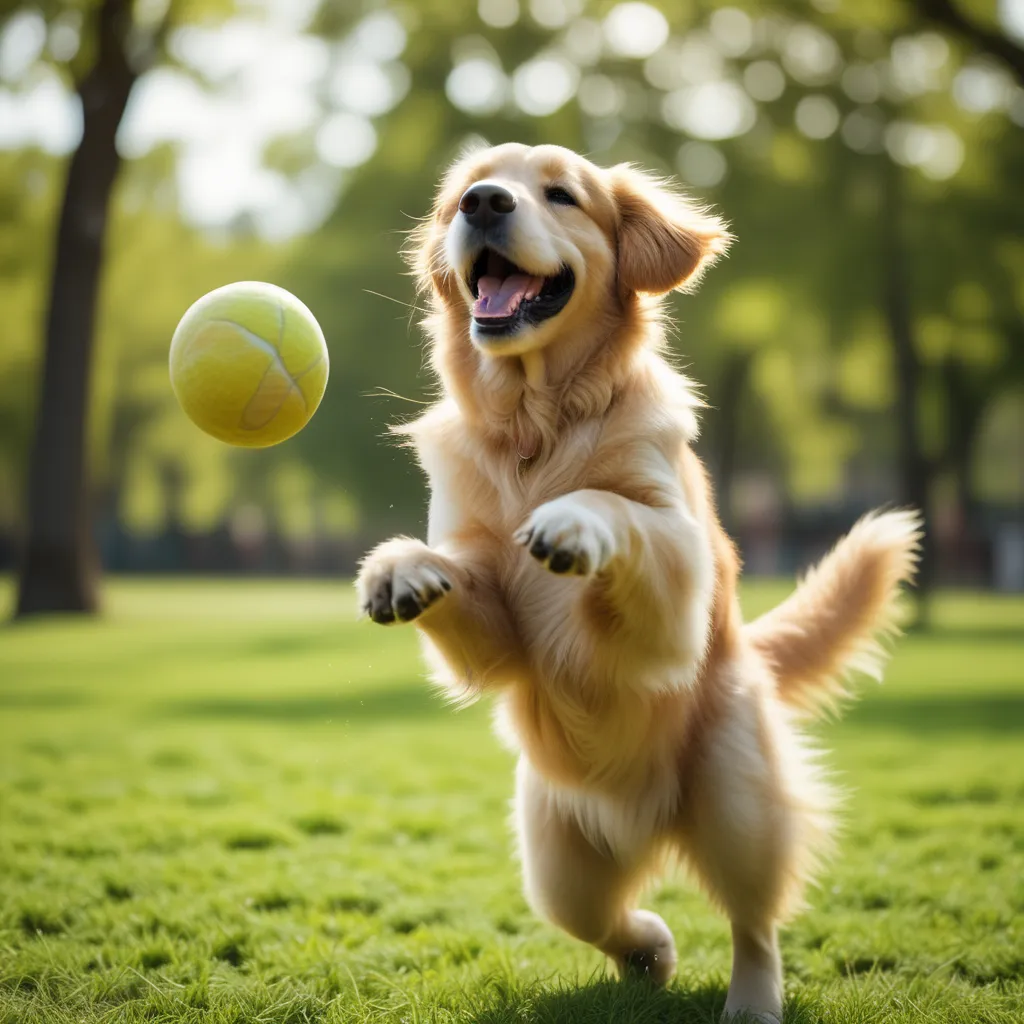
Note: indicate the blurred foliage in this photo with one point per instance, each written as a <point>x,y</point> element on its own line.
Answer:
<point>788,337</point>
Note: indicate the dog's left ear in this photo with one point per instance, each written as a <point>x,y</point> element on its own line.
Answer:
<point>665,240</point>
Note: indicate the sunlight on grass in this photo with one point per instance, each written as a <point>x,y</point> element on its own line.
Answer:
<point>229,800</point>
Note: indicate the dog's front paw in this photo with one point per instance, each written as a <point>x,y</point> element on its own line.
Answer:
<point>400,580</point>
<point>567,537</point>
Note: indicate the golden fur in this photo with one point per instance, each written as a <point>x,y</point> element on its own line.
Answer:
<point>650,720</point>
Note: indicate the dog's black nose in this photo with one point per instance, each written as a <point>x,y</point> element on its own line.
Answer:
<point>485,203</point>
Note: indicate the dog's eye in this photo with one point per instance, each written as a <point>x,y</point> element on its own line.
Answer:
<point>559,196</point>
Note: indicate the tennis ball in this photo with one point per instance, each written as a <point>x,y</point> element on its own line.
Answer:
<point>249,364</point>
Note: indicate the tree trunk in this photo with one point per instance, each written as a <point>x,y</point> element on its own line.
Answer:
<point>914,465</point>
<point>965,403</point>
<point>729,397</point>
<point>60,566</point>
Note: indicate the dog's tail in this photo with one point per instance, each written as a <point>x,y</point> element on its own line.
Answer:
<point>836,620</point>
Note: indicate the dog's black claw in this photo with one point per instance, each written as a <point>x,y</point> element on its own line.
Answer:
<point>639,963</point>
<point>407,606</point>
<point>380,605</point>
<point>445,585</point>
<point>561,562</point>
<point>540,549</point>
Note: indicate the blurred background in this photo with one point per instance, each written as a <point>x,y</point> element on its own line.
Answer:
<point>863,344</point>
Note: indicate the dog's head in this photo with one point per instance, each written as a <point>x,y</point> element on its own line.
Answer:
<point>528,243</point>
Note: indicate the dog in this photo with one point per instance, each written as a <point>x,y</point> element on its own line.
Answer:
<point>575,568</point>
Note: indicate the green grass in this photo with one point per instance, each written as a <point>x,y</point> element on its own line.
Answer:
<point>231,802</point>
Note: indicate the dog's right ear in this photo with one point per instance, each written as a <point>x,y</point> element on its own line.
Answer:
<point>665,241</point>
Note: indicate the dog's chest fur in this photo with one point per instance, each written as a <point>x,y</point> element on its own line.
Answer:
<point>474,484</point>
<point>570,700</point>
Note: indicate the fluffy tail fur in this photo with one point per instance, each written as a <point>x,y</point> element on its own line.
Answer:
<point>835,621</point>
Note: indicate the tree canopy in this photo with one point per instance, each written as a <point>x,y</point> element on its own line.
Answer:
<point>851,146</point>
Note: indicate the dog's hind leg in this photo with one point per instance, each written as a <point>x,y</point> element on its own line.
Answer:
<point>586,892</point>
<point>740,867</point>
<point>758,821</point>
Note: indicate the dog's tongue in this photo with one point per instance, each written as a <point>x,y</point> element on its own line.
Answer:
<point>501,297</point>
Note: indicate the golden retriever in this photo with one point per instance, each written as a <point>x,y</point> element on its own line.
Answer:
<point>575,568</point>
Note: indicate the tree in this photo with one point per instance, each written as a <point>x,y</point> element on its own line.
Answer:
<point>947,15</point>
<point>59,570</point>
<point>816,340</point>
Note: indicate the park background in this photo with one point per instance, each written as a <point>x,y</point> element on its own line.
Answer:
<point>224,798</point>
<point>863,343</point>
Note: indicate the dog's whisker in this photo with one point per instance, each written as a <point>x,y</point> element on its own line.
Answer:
<point>399,302</point>
<point>382,392</point>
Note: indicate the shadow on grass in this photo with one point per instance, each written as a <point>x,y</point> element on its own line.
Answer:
<point>601,1000</point>
<point>607,999</point>
<point>988,713</point>
<point>373,705</point>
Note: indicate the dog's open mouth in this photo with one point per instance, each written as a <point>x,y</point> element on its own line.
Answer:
<point>508,298</point>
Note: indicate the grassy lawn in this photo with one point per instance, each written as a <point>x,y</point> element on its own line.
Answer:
<point>231,802</point>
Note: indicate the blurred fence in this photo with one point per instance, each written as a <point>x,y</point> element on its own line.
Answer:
<point>989,554</point>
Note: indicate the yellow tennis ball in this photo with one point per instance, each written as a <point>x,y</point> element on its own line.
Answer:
<point>249,364</point>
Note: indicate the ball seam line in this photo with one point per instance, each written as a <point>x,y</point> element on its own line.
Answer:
<point>275,356</point>
<point>280,325</point>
